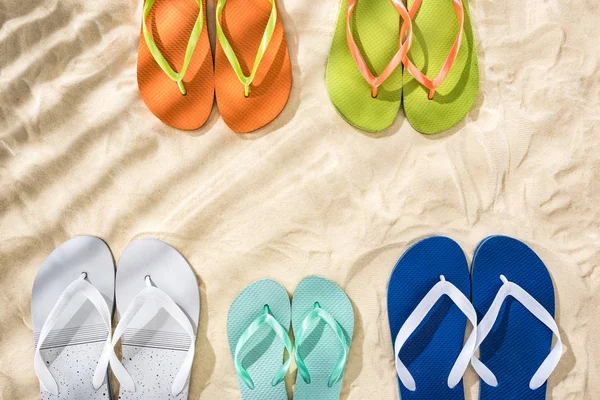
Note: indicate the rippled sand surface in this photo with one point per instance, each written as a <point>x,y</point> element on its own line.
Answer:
<point>80,154</point>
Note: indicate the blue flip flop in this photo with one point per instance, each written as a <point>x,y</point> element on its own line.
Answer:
<point>428,308</point>
<point>514,299</point>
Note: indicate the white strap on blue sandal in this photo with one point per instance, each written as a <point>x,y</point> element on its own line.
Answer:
<point>538,311</point>
<point>513,294</point>
<point>443,287</point>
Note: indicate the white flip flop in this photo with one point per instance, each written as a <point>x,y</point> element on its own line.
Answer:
<point>71,311</point>
<point>158,304</point>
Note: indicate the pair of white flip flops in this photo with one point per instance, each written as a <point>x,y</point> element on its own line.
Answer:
<point>158,305</point>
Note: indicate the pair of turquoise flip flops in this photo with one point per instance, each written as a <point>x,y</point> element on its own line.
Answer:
<point>258,324</point>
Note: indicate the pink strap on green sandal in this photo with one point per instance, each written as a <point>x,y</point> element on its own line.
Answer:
<point>432,85</point>
<point>364,86</point>
<point>447,45</point>
<point>373,81</point>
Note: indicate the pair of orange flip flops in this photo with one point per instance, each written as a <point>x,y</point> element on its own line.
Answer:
<point>251,75</point>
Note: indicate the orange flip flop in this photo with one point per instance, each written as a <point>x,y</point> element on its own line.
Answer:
<point>253,72</point>
<point>174,37</point>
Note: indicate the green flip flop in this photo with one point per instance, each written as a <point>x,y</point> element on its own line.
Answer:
<point>366,44</point>
<point>440,47</point>
<point>323,323</point>
<point>257,327</point>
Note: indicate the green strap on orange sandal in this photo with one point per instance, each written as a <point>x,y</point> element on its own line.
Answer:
<point>158,56</point>
<point>252,65</point>
<point>230,53</point>
<point>181,99</point>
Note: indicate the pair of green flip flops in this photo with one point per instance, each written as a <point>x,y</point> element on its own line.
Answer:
<point>371,32</point>
<point>322,318</point>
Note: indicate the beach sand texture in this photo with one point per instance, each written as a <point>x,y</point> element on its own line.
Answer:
<point>80,154</point>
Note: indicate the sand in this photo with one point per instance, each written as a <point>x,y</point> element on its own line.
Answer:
<point>308,194</point>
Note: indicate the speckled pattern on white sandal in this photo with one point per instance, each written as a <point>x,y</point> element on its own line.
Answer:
<point>71,308</point>
<point>158,303</point>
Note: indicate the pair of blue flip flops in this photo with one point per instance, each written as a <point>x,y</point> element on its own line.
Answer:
<point>509,300</point>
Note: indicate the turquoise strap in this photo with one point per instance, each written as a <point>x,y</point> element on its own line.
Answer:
<point>160,59</point>
<point>316,314</point>
<point>282,334</point>
<point>262,49</point>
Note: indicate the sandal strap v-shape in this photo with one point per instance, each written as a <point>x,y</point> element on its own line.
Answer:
<point>262,48</point>
<point>315,315</point>
<point>80,285</point>
<point>264,319</point>
<point>443,287</point>
<point>158,56</point>
<point>154,295</point>
<point>372,80</point>
<point>537,310</point>
<point>430,84</point>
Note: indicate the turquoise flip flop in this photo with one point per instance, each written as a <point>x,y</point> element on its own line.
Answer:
<point>323,323</point>
<point>257,327</point>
